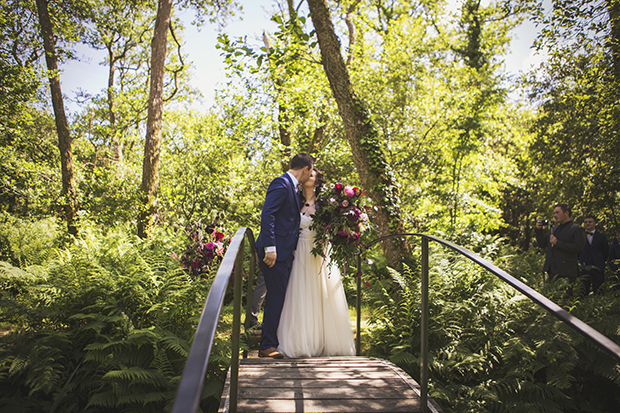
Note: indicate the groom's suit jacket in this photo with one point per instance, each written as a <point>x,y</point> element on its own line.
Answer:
<point>280,219</point>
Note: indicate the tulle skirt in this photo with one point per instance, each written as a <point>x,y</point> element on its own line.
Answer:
<point>315,319</point>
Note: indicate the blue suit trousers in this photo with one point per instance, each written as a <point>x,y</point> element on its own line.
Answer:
<point>276,280</point>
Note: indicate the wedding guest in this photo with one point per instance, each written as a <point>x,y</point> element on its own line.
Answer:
<point>593,257</point>
<point>563,242</point>
<point>614,258</point>
<point>258,296</point>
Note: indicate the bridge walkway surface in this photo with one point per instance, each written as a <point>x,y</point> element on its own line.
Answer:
<point>324,384</point>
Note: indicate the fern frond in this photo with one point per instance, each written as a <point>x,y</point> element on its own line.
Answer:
<point>136,375</point>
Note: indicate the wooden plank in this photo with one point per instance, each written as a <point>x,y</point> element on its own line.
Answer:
<point>308,383</point>
<point>334,384</point>
<point>277,405</point>
<point>332,374</point>
<point>327,393</point>
<point>315,367</point>
<point>261,360</point>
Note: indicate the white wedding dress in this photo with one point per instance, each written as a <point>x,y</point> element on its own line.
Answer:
<point>315,317</point>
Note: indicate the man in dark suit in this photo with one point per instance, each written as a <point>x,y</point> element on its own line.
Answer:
<point>564,242</point>
<point>594,256</point>
<point>279,231</point>
<point>614,260</point>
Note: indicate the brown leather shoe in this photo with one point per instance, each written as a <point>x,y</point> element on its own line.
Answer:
<point>270,352</point>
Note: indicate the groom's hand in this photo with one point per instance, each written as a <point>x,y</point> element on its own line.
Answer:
<point>270,258</point>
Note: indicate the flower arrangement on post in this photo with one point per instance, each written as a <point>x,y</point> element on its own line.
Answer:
<point>341,220</point>
<point>204,251</point>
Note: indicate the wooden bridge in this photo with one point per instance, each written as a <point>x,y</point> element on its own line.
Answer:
<point>343,384</point>
<point>324,384</point>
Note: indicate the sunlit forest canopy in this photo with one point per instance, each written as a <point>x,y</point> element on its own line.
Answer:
<point>105,192</point>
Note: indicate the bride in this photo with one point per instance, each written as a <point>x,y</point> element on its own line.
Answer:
<point>315,318</point>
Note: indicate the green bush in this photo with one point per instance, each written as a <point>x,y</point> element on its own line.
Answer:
<point>491,348</point>
<point>102,325</point>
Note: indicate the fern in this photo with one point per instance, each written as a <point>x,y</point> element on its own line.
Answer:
<point>492,349</point>
<point>112,308</point>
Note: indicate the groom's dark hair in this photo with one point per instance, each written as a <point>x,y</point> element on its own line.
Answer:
<point>301,160</point>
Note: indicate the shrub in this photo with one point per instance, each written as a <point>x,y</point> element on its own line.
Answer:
<point>102,326</point>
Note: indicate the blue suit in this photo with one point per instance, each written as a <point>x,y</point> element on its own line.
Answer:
<point>592,260</point>
<point>279,227</point>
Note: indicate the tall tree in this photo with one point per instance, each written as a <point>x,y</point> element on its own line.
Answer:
<point>119,28</point>
<point>374,171</point>
<point>613,8</point>
<point>152,142</point>
<point>574,153</point>
<point>62,126</point>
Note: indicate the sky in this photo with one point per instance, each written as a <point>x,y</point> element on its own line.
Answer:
<point>87,75</point>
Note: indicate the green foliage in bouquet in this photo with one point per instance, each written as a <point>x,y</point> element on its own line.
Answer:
<point>341,221</point>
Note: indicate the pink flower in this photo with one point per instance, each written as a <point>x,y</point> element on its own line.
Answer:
<point>209,245</point>
<point>332,200</point>
<point>349,191</point>
<point>343,234</point>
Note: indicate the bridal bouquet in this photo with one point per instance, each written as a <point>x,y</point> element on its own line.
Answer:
<point>341,219</point>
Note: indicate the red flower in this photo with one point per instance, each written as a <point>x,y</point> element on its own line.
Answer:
<point>218,236</point>
<point>367,284</point>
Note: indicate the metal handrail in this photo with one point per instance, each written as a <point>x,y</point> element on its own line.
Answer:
<point>587,331</point>
<point>190,388</point>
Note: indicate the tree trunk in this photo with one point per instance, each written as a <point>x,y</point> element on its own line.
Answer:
<point>374,171</point>
<point>117,148</point>
<point>283,120</point>
<point>152,143</point>
<point>613,7</point>
<point>62,126</point>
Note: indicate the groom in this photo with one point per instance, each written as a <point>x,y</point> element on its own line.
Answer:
<point>279,230</point>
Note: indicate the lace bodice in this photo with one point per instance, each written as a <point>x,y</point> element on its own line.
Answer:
<point>304,227</point>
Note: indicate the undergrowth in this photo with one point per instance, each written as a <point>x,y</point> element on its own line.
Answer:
<point>491,348</point>
<point>98,323</point>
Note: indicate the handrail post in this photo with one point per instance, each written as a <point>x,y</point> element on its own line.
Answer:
<point>424,329</point>
<point>236,327</point>
<point>358,306</point>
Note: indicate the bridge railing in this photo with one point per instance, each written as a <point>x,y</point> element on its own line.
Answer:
<point>231,268</point>
<point>188,395</point>
<point>590,333</point>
